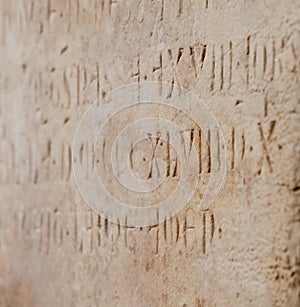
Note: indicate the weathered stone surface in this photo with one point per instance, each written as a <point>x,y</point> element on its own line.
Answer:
<point>241,58</point>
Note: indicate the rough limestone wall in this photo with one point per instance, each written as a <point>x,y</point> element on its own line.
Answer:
<point>242,59</point>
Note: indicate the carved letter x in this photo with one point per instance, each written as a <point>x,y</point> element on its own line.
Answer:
<point>264,142</point>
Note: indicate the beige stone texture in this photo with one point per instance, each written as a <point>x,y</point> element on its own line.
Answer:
<point>241,58</point>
